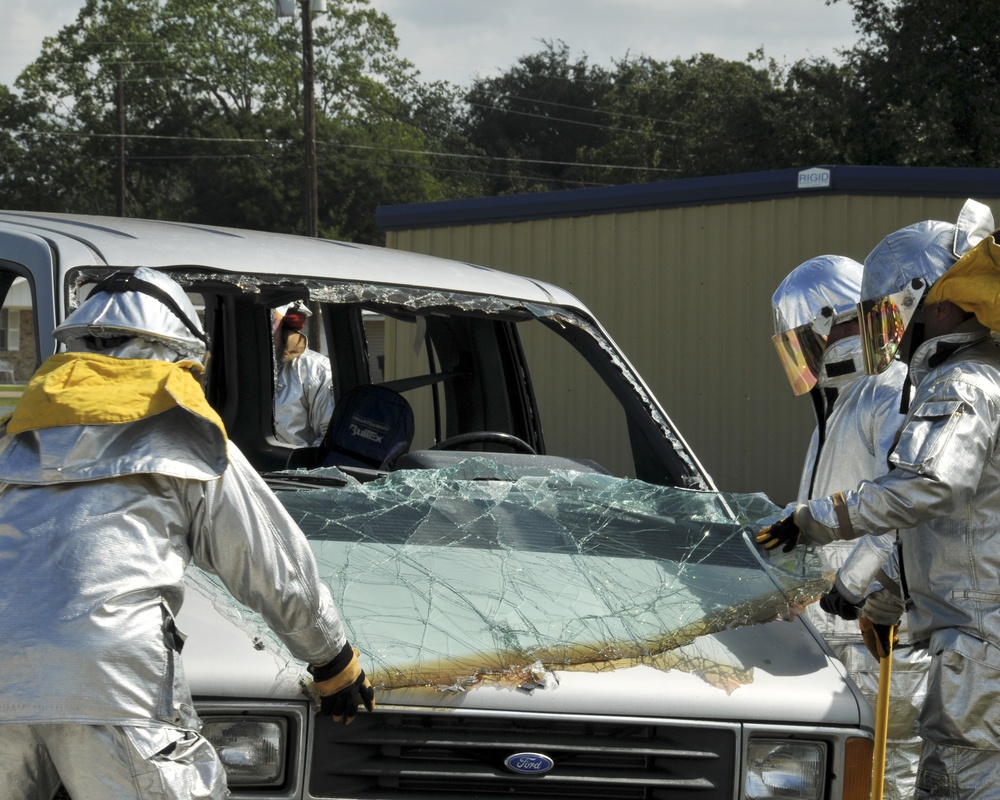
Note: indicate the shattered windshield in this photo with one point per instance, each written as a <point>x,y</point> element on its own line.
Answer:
<point>480,573</point>
<point>454,568</point>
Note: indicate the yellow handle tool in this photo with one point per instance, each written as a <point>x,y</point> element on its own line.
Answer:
<point>881,721</point>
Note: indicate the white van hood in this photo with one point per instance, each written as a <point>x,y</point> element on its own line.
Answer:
<point>778,660</point>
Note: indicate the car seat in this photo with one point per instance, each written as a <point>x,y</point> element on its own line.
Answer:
<point>371,427</point>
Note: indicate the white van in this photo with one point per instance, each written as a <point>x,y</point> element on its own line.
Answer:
<point>545,611</point>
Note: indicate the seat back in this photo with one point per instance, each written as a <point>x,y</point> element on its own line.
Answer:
<point>371,427</point>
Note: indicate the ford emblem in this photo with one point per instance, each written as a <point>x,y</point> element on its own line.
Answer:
<point>529,763</point>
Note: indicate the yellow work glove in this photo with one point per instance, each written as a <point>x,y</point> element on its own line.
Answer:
<point>879,621</point>
<point>342,686</point>
<point>877,637</point>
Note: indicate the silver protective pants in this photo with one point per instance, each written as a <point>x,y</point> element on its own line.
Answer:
<point>108,762</point>
<point>957,773</point>
<point>960,719</point>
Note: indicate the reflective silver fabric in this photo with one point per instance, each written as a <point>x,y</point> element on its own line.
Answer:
<point>907,692</point>
<point>957,773</point>
<point>861,419</point>
<point>106,761</point>
<point>924,250</point>
<point>944,497</point>
<point>961,720</point>
<point>859,435</point>
<point>860,431</point>
<point>303,401</point>
<point>100,522</point>
<point>113,314</point>
<point>832,282</point>
<point>944,488</point>
<point>94,574</point>
<point>900,270</point>
<point>174,443</point>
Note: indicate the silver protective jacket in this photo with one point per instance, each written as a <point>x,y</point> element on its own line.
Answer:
<point>857,417</point>
<point>303,399</point>
<point>99,524</point>
<point>859,434</point>
<point>943,493</point>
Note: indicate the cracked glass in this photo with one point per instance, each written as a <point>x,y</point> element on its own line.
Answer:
<point>481,573</point>
<point>459,569</point>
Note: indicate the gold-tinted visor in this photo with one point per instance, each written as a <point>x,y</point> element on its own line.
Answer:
<point>883,322</point>
<point>800,351</point>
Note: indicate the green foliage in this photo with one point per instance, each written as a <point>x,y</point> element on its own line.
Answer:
<point>213,109</point>
<point>701,116</point>
<point>212,103</point>
<point>531,121</point>
<point>550,122</point>
<point>926,78</point>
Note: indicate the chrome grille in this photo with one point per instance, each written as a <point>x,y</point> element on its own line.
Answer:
<point>393,754</point>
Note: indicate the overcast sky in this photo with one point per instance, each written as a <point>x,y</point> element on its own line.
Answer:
<point>458,40</point>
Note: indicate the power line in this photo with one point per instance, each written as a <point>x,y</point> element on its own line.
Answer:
<point>344,145</point>
<point>610,128</point>
<point>397,165</point>
<point>596,111</point>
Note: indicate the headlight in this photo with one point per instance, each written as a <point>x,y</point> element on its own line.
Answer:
<point>779,768</point>
<point>252,749</point>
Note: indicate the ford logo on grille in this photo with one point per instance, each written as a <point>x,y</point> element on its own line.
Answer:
<point>529,763</point>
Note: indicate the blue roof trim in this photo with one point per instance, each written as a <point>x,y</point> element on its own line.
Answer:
<point>775,184</point>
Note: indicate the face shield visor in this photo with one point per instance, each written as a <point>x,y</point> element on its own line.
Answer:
<point>812,299</point>
<point>884,320</point>
<point>800,351</point>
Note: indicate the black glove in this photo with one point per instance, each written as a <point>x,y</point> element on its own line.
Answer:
<point>833,602</point>
<point>783,532</point>
<point>342,686</point>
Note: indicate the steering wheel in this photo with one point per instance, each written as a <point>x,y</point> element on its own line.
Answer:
<point>486,437</point>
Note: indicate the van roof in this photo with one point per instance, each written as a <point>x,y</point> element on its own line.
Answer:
<point>85,240</point>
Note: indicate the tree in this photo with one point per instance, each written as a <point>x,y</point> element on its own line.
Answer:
<point>530,122</point>
<point>549,122</point>
<point>685,118</point>
<point>213,114</point>
<point>816,114</point>
<point>927,72</point>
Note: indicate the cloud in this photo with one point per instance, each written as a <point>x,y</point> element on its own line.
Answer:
<point>26,24</point>
<point>458,39</point>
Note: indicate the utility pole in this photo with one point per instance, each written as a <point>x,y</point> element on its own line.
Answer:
<point>309,119</point>
<point>121,140</point>
<point>285,8</point>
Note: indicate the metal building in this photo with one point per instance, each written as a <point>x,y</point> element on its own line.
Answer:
<point>682,272</point>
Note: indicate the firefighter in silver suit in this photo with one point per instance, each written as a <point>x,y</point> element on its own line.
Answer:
<point>303,390</point>
<point>943,491</point>
<point>115,474</point>
<point>819,345</point>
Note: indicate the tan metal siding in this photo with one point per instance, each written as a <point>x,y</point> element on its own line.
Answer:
<point>686,293</point>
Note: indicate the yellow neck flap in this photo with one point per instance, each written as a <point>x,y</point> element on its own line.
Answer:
<point>91,389</point>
